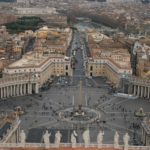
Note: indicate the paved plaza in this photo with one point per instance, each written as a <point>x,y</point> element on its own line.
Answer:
<point>42,112</point>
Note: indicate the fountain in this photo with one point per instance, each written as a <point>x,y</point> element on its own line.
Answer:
<point>140,113</point>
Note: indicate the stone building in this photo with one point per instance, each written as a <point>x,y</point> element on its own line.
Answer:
<point>139,85</point>
<point>108,58</point>
<point>48,59</point>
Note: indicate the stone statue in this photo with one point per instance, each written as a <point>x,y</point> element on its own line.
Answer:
<point>57,138</point>
<point>100,138</point>
<point>116,140</point>
<point>86,137</point>
<point>73,139</point>
<point>22,138</point>
<point>126,139</point>
<point>17,118</point>
<point>46,139</point>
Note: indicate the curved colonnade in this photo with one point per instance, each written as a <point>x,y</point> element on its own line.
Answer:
<point>18,86</point>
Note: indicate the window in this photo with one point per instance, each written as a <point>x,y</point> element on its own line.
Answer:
<point>91,68</point>
<point>91,74</point>
<point>66,67</point>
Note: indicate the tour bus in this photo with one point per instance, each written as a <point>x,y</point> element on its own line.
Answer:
<point>123,95</point>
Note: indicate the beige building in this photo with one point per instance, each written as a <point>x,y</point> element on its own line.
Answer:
<point>140,84</point>
<point>108,58</point>
<point>143,61</point>
<point>41,65</point>
<point>54,41</point>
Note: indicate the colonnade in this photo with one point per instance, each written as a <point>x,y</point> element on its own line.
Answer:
<point>18,90</point>
<point>141,91</point>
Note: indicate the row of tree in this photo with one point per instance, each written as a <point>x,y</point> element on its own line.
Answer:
<point>24,23</point>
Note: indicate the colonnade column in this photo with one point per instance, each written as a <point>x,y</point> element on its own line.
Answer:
<point>7,91</point>
<point>142,91</point>
<point>4,92</point>
<point>134,90</point>
<point>11,90</point>
<point>145,93</point>
<point>138,91</point>
<point>1,92</point>
<point>21,89</point>
<point>148,92</point>
<point>14,91</point>
<point>17,90</point>
<point>29,88</point>
<point>36,88</point>
<point>24,89</point>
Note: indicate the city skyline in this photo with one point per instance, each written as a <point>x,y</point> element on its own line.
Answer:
<point>74,75</point>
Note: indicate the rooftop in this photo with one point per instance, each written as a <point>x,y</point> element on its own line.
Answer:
<point>103,47</point>
<point>33,59</point>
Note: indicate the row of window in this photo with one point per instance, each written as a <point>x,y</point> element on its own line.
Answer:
<point>62,66</point>
<point>25,70</point>
<point>91,67</point>
<point>33,70</point>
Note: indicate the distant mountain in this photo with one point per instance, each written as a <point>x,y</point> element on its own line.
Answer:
<point>7,0</point>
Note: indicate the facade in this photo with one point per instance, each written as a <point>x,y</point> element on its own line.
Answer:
<point>108,58</point>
